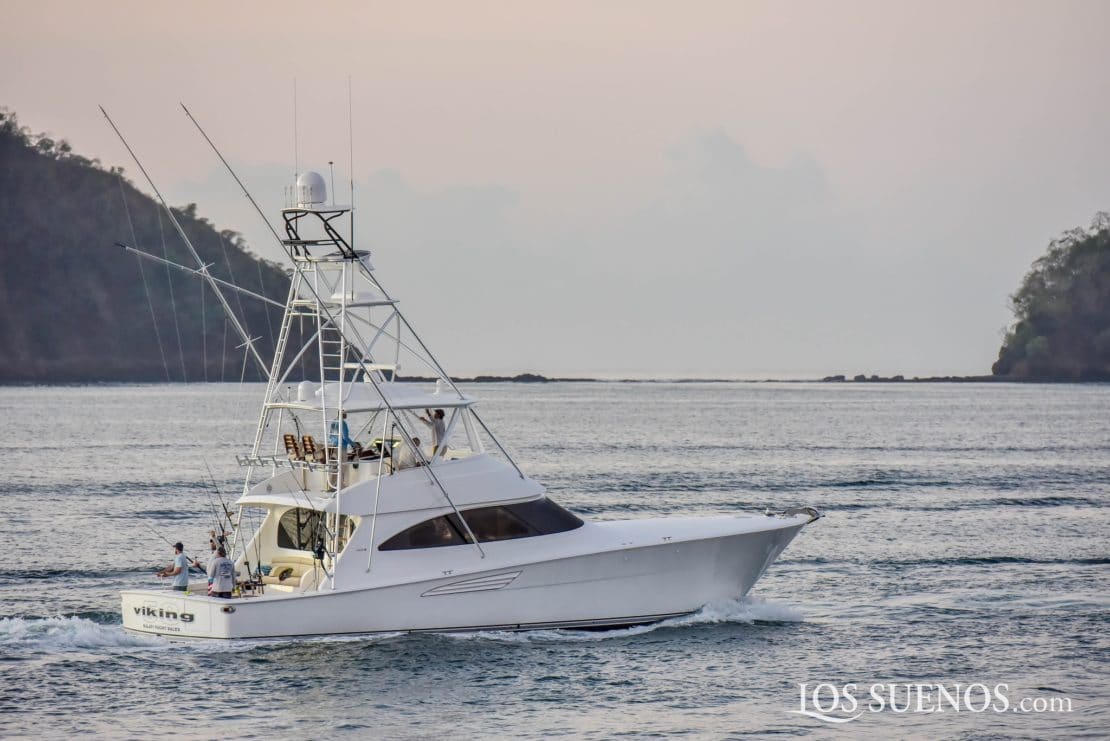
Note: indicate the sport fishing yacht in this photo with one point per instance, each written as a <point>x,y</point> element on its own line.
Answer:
<point>372,503</point>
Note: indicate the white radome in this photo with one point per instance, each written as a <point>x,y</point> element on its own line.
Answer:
<point>311,189</point>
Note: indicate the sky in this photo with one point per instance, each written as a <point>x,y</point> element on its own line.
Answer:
<point>648,189</point>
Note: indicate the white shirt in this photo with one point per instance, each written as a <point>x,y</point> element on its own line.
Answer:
<point>222,573</point>
<point>406,458</point>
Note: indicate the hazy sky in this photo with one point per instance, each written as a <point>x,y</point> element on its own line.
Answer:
<point>742,189</point>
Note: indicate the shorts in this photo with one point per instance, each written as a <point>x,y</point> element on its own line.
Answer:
<point>180,589</point>
<point>222,595</point>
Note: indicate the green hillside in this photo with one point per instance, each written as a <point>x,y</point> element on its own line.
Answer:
<point>75,308</point>
<point>1062,311</point>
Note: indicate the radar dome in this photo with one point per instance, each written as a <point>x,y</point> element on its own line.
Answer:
<point>311,188</point>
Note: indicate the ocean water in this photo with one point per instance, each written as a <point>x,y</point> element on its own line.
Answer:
<point>966,541</point>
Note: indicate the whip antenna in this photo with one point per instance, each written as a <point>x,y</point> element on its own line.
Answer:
<point>296,161</point>
<point>351,156</point>
<point>331,166</point>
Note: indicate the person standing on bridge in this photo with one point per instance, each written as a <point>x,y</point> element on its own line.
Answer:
<point>439,430</point>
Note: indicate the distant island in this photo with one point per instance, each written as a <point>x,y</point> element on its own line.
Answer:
<point>1062,311</point>
<point>77,309</point>
<point>1061,331</point>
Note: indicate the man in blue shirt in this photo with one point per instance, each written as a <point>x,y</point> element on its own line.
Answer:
<point>179,569</point>
<point>337,427</point>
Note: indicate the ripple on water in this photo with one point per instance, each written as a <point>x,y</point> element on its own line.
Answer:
<point>963,544</point>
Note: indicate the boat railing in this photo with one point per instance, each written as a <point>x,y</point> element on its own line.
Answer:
<point>284,462</point>
<point>350,466</point>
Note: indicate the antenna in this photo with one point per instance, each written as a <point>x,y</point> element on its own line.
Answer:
<point>296,160</point>
<point>331,166</point>
<point>351,157</point>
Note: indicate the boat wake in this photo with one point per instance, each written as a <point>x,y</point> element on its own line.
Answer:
<point>748,610</point>
<point>52,634</point>
<point>49,635</point>
<point>745,611</point>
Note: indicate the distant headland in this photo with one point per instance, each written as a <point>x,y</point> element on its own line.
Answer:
<point>1062,312</point>
<point>83,311</point>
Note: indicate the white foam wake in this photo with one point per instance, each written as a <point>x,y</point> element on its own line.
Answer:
<point>744,610</point>
<point>53,633</point>
<point>57,633</point>
<point>242,645</point>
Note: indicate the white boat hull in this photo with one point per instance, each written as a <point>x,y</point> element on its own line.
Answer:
<point>626,584</point>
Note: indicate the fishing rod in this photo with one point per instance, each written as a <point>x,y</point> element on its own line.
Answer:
<point>215,514</point>
<point>219,494</point>
<point>192,561</point>
<point>216,541</point>
<point>163,537</point>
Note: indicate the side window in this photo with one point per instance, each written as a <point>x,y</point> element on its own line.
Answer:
<point>433,533</point>
<point>546,516</point>
<point>497,523</point>
<point>489,524</point>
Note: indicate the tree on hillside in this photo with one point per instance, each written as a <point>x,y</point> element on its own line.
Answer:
<point>1062,311</point>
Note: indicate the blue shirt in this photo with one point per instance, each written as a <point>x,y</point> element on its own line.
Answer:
<point>333,438</point>
<point>181,579</point>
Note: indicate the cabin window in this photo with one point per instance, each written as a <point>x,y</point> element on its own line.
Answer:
<point>545,516</point>
<point>434,533</point>
<point>298,529</point>
<point>501,522</point>
<point>497,523</point>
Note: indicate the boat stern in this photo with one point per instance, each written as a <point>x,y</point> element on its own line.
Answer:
<point>181,614</point>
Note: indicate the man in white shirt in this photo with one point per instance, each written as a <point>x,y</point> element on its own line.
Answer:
<point>222,573</point>
<point>439,429</point>
<point>407,458</point>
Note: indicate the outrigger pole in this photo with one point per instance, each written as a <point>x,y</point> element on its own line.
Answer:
<point>199,274</point>
<point>240,183</point>
<point>247,339</point>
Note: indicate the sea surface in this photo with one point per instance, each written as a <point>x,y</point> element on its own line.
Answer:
<point>966,540</point>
